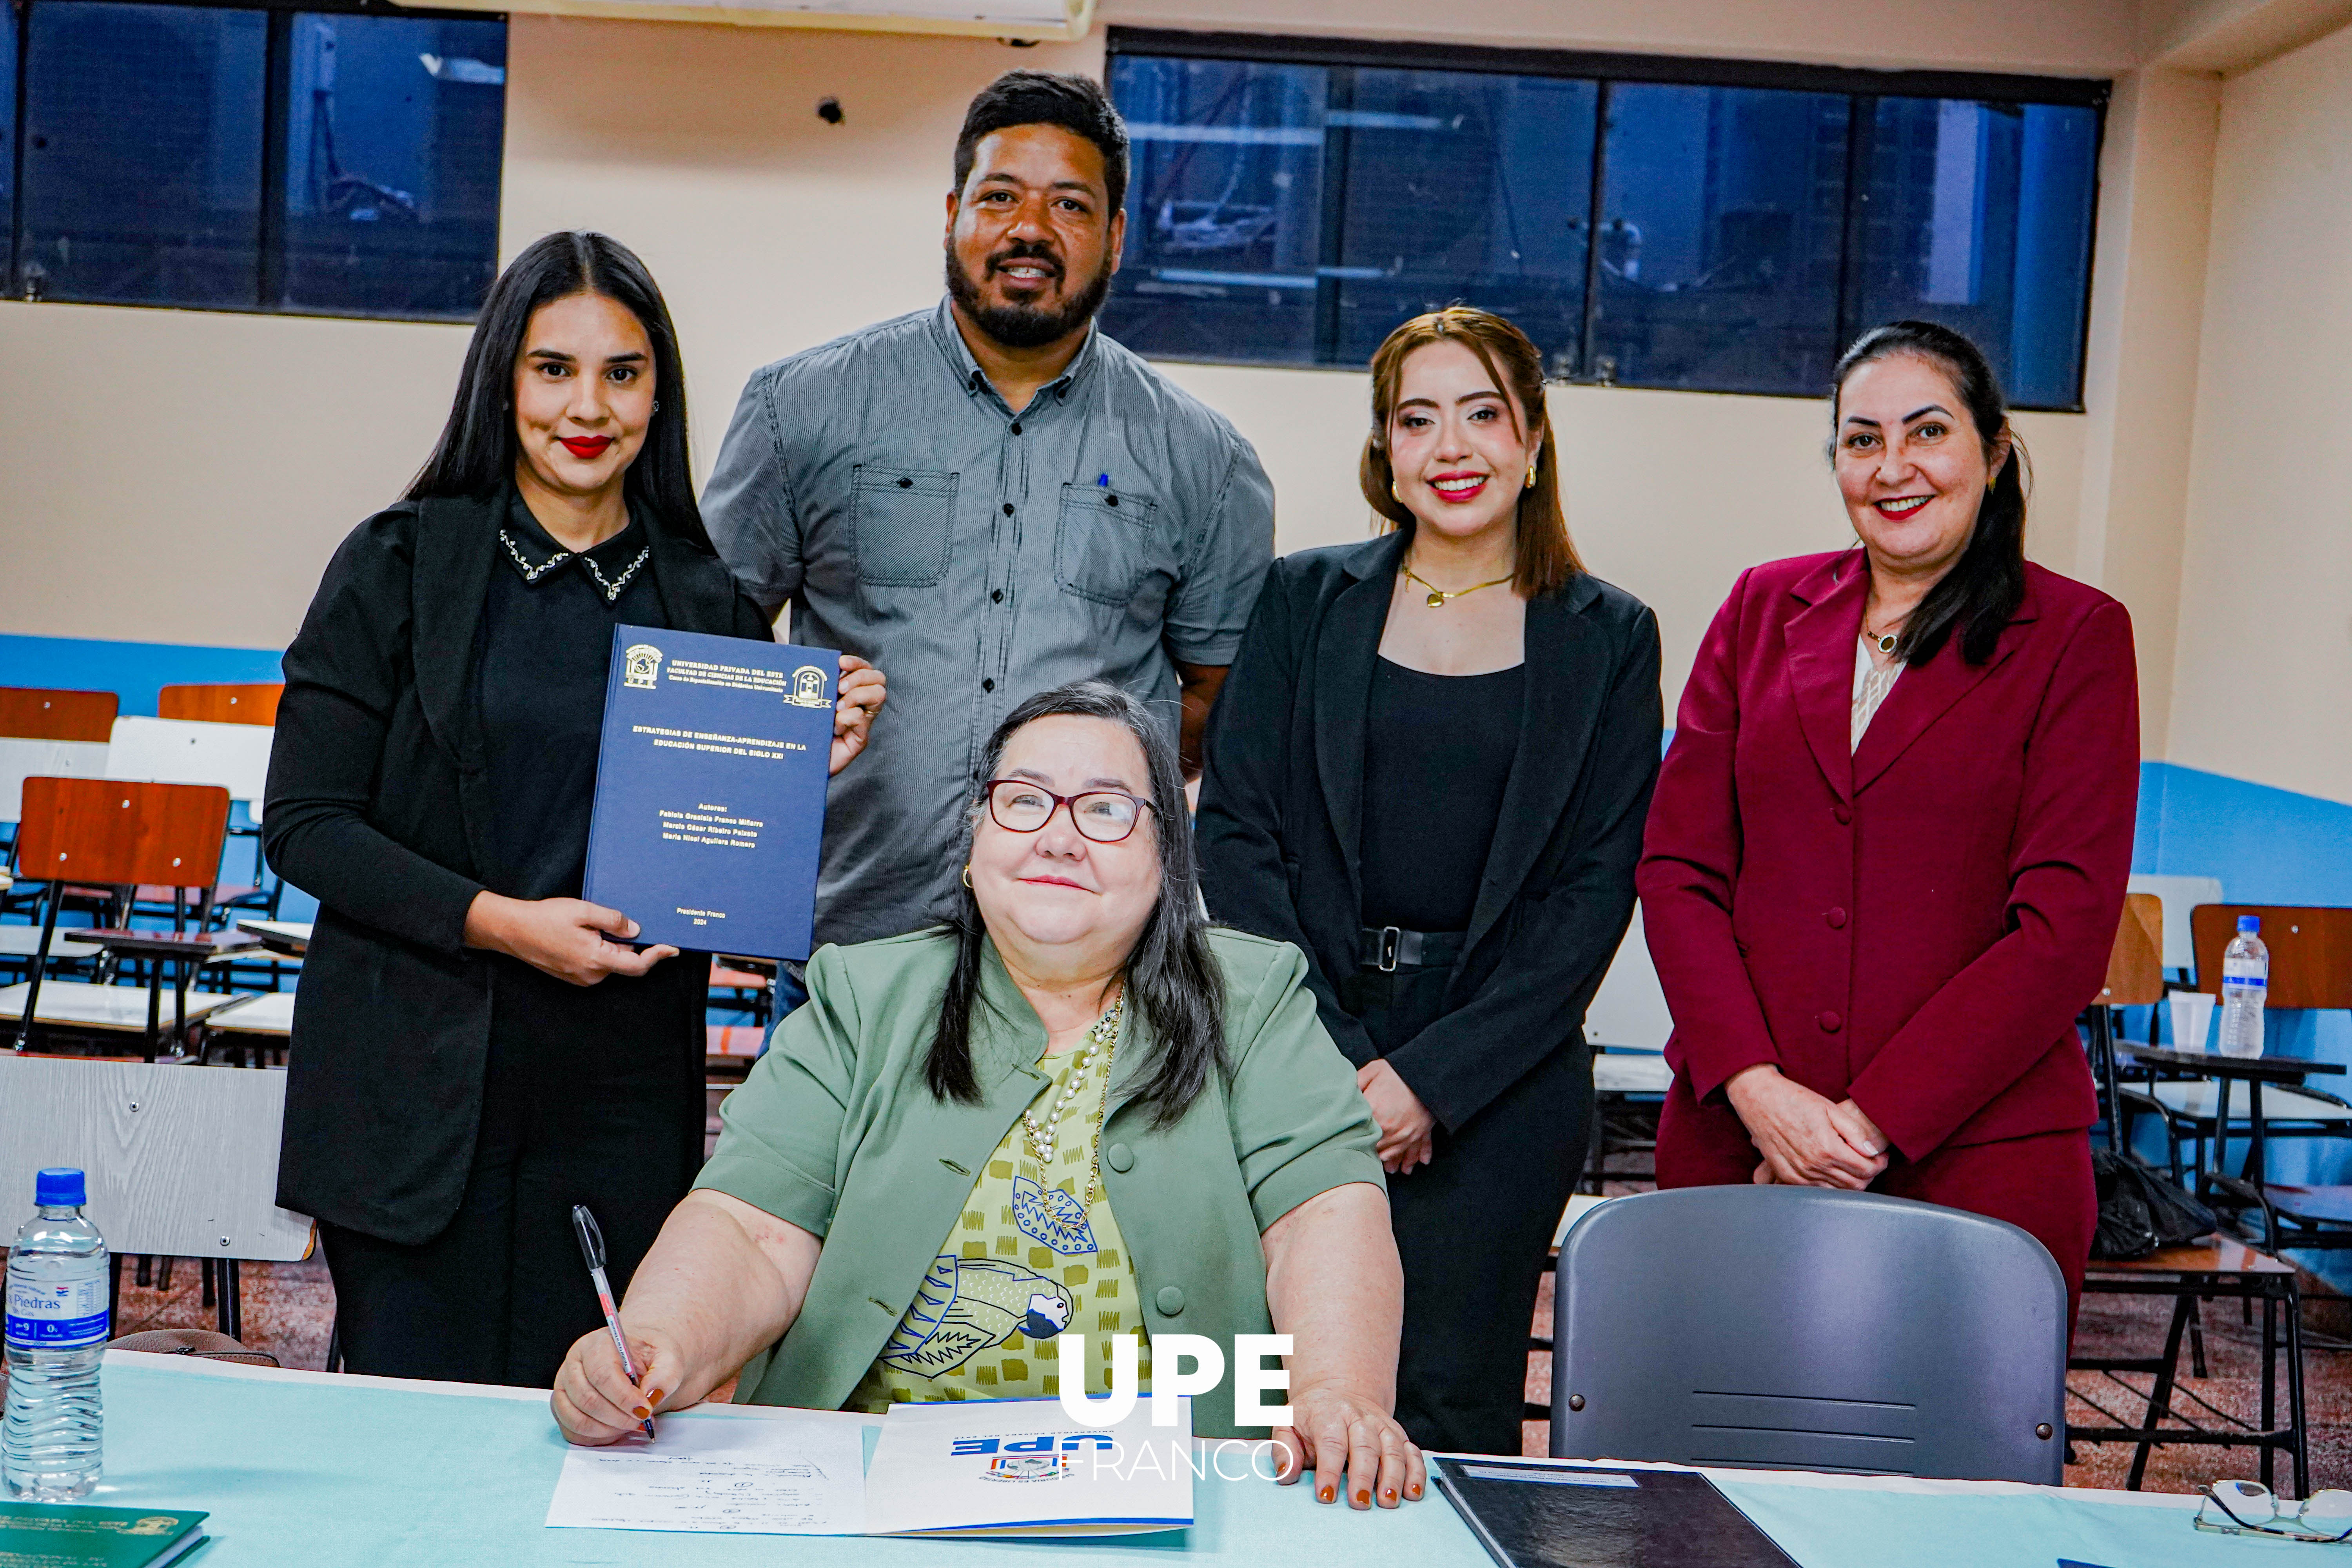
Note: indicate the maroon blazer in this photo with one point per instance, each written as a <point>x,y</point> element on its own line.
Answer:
<point>1914,924</point>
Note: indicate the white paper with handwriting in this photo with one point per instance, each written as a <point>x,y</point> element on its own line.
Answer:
<point>793,1473</point>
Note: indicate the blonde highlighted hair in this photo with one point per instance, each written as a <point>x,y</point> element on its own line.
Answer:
<point>1547,559</point>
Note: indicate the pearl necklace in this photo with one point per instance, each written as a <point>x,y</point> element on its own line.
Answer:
<point>1100,1040</point>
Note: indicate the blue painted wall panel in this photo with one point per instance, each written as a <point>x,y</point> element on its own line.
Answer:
<point>135,670</point>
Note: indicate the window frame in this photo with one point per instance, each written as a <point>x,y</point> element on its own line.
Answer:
<point>1863,86</point>
<point>270,271</point>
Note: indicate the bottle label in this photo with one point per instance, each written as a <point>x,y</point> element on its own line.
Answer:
<point>51,1316</point>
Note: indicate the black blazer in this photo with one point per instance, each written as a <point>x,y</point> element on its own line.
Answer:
<point>1280,824</point>
<point>379,804</point>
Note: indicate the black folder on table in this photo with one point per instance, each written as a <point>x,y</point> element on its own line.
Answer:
<point>1555,1516</point>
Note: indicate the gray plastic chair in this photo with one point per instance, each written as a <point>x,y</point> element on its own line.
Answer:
<point>1797,1327</point>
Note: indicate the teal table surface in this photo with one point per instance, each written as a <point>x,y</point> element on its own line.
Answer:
<point>305,1468</point>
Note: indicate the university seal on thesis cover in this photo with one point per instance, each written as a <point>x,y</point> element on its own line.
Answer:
<point>710,783</point>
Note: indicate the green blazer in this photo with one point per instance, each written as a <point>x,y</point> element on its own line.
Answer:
<point>835,1131</point>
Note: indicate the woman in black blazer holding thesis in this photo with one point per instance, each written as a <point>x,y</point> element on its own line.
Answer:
<point>472,1052</point>
<point>1429,768</point>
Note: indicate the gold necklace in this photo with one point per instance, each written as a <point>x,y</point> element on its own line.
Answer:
<point>1101,1040</point>
<point>1437,595</point>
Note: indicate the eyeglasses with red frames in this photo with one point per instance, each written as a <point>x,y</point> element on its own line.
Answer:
<point>1100,815</point>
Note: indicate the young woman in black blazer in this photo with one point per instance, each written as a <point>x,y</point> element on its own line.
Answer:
<point>471,1055</point>
<point>1429,769</point>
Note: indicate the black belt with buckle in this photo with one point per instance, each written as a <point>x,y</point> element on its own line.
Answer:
<point>1385,947</point>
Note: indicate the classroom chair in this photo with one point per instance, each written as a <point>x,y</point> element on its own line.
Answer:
<point>247,704</point>
<point>2181,895</point>
<point>2218,1267</point>
<point>114,833</point>
<point>182,1161</point>
<point>2135,978</point>
<point>45,732</point>
<point>237,766</point>
<point>1802,1328</point>
<point>2311,967</point>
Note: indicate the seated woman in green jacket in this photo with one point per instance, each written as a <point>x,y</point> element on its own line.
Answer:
<point>1074,1107</point>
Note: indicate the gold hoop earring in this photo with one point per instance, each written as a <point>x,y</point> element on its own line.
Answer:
<point>967,874</point>
<point>1531,476</point>
<point>1991,481</point>
<point>1395,494</point>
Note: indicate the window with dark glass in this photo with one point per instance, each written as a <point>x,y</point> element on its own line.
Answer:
<point>1979,215</point>
<point>143,153</point>
<point>392,131</point>
<point>1721,213</point>
<point>1710,226</point>
<point>7,131</point>
<point>226,157</point>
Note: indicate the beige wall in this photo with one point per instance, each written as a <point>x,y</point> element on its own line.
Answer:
<point>771,231</point>
<point>2267,560</point>
<point>182,476</point>
<point>2147,295</point>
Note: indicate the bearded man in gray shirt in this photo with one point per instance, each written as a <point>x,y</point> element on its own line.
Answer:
<point>989,499</point>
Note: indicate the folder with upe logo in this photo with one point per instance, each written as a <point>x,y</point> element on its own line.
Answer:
<point>710,780</point>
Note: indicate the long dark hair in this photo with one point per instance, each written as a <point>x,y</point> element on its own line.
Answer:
<point>476,454</point>
<point>1173,983</point>
<point>1987,583</point>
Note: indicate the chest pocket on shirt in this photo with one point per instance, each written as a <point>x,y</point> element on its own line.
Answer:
<point>1105,542</point>
<point>901,523</point>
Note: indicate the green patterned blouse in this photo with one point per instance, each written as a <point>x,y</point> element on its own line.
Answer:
<point>1027,1260</point>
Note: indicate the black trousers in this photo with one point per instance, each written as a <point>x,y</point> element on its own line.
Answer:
<point>571,1114</point>
<point>1474,1227</point>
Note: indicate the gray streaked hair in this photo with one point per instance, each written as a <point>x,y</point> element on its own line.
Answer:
<point>1172,982</point>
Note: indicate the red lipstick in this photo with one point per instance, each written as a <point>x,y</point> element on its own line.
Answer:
<point>1464,492</point>
<point>586,447</point>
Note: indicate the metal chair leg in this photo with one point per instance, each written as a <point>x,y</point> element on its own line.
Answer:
<point>2160,1397</point>
<point>2270,1383</point>
<point>2295,1404</point>
<point>232,1310</point>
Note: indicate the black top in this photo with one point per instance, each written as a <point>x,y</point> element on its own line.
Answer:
<point>1437,754</point>
<point>1282,831</point>
<point>379,802</point>
<point>540,676</point>
<point>543,653</point>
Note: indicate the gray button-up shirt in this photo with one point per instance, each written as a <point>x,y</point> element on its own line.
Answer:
<point>978,555</point>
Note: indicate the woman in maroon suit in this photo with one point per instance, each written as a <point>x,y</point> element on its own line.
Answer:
<point>1887,851</point>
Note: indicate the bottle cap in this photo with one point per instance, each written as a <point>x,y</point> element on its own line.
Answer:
<point>2250,923</point>
<point>58,1188</point>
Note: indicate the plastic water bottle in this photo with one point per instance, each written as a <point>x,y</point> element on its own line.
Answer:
<point>2245,987</point>
<point>57,1323</point>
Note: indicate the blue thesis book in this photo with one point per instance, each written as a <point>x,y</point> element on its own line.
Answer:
<point>711,790</point>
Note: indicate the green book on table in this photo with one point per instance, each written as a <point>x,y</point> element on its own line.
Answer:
<point>67,1535</point>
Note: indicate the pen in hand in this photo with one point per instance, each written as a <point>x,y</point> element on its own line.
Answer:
<point>591,1248</point>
